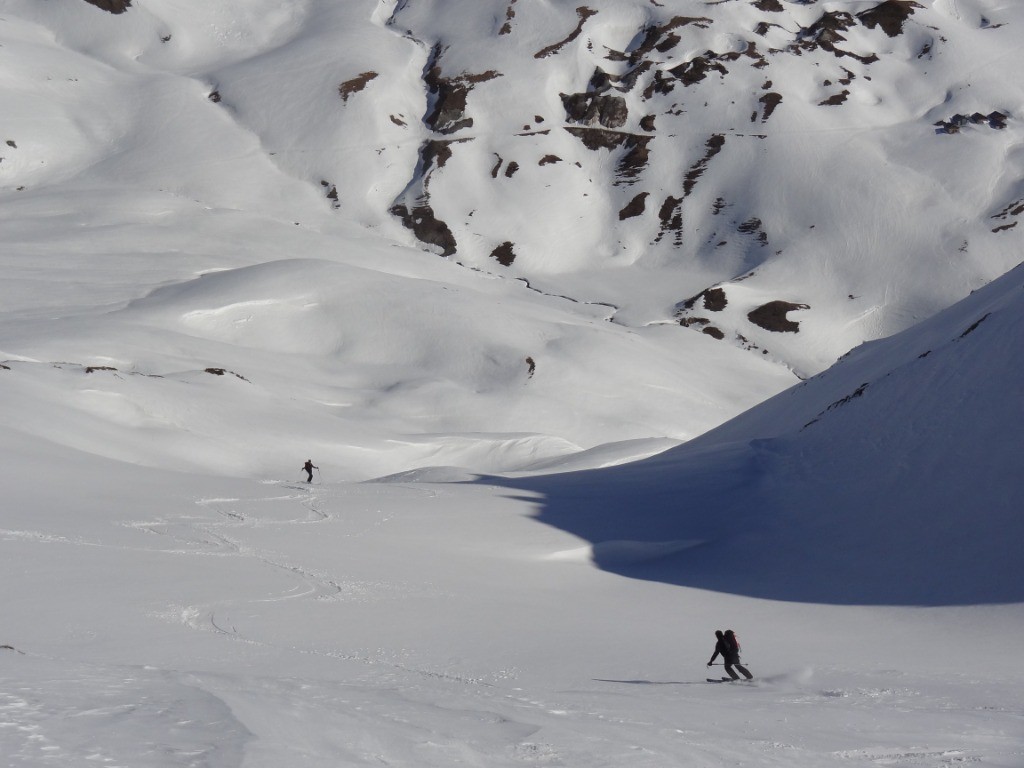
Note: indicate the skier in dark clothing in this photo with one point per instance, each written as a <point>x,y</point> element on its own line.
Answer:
<point>309,466</point>
<point>729,649</point>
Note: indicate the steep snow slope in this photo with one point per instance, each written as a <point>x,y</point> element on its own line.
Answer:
<point>890,478</point>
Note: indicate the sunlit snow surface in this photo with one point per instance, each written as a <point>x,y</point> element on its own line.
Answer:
<point>509,554</point>
<point>173,620</point>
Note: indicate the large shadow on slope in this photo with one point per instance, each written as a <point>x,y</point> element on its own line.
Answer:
<point>758,519</point>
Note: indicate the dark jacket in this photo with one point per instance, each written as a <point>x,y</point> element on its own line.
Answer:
<point>721,649</point>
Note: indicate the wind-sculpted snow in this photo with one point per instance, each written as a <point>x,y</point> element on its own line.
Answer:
<point>389,370</point>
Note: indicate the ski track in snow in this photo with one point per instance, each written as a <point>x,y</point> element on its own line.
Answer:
<point>385,705</point>
<point>225,538</point>
<point>214,538</point>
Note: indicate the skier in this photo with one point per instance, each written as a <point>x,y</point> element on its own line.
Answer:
<point>309,466</point>
<point>729,649</point>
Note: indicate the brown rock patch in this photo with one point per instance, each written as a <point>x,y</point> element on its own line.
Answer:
<point>772,316</point>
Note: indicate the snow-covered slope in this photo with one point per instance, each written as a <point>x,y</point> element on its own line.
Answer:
<point>746,168</point>
<point>419,241</point>
<point>890,478</point>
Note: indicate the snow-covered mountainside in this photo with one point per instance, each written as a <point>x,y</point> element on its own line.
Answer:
<point>503,236</point>
<point>551,294</point>
<point>890,478</point>
<point>790,178</point>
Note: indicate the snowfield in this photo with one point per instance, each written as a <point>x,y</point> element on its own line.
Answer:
<point>606,326</point>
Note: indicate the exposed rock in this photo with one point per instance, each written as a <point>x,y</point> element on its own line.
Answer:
<point>835,99</point>
<point>636,147</point>
<point>690,322</point>
<point>1014,209</point>
<point>715,300</point>
<point>635,159</point>
<point>713,147</point>
<point>705,326</point>
<point>606,110</point>
<point>583,13</point>
<point>974,326</point>
<point>859,392</point>
<point>697,68</point>
<point>769,101</point>
<point>419,215</point>
<point>332,193</point>
<point>596,138</point>
<point>826,32</point>
<point>772,316</point>
<point>435,153</point>
<point>996,120</point>
<point>355,85</point>
<point>222,371</point>
<point>660,38</point>
<point>504,254</point>
<point>890,16</point>
<point>753,226</point>
<point>671,217</point>
<point>510,14</point>
<point>448,95</point>
<point>114,6</point>
<point>634,207</point>
<point>426,226</point>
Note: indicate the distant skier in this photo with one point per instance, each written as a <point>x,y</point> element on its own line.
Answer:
<point>728,647</point>
<point>309,466</point>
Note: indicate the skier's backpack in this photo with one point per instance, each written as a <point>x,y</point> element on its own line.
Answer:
<point>733,642</point>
